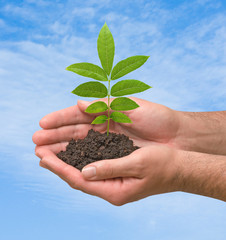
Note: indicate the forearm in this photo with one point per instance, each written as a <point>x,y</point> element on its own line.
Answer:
<point>202,174</point>
<point>202,132</point>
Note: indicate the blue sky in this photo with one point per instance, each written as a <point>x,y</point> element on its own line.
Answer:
<point>38,39</point>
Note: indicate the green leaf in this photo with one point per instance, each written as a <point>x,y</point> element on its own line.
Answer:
<point>120,117</point>
<point>123,104</point>
<point>88,70</point>
<point>97,107</point>
<point>100,119</point>
<point>106,48</point>
<point>91,89</point>
<point>127,65</point>
<point>126,87</point>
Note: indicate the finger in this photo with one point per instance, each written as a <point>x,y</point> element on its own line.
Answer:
<point>55,148</point>
<point>128,166</point>
<point>42,165</point>
<point>65,133</point>
<point>67,116</point>
<point>68,173</point>
<point>82,105</point>
<point>62,134</point>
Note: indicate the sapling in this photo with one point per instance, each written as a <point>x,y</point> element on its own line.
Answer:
<point>106,52</point>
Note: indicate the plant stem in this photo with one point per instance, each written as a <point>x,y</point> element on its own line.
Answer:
<point>109,80</point>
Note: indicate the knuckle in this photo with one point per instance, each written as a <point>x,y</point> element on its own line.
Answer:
<point>118,199</point>
<point>139,167</point>
<point>106,170</point>
<point>64,169</point>
<point>142,165</point>
<point>41,164</point>
<point>117,202</point>
<point>36,148</point>
<point>73,185</point>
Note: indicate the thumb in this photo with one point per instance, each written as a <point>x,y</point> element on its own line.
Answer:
<point>83,105</point>
<point>105,169</point>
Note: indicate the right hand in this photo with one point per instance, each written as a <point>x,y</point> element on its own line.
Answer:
<point>152,123</point>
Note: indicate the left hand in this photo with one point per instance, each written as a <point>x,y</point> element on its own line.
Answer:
<point>147,171</point>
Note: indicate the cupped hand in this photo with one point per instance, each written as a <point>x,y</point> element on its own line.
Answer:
<point>147,171</point>
<point>151,123</point>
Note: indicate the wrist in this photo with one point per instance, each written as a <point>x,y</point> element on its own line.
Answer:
<point>172,170</point>
<point>180,179</point>
<point>201,173</point>
<point>201,132</point>
<point>177,177</point>
<point>186,135</point>
<point>186,174</point>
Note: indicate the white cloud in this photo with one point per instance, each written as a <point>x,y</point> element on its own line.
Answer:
<point>187,72</point>
<point>114,17</point>
<point>2,23</point>
<point>208,3</point>
<point>24,11</point>
<point>38,2</point>
<point>87,12</point>
<point>59,28</point>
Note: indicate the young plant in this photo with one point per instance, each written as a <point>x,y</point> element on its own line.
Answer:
<point>106,52</point>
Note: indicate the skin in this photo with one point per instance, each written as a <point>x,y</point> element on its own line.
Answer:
<point>169,158</point>
<point>203,174</point>
<point>202,132</point>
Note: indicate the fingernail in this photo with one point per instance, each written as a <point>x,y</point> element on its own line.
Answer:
<point>89,172</point>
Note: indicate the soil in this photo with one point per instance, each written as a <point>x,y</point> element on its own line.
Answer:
<point>96,146</point>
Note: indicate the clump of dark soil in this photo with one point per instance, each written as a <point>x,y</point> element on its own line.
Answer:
<point>96,146</point>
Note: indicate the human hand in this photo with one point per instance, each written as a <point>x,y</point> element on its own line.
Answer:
<point>147,171</point>
<point>152,169</point>
<point>59,127</point>
<point>151,123</point>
